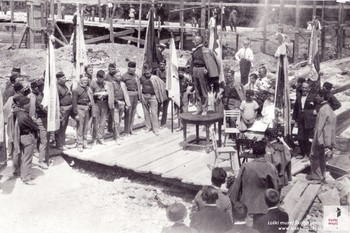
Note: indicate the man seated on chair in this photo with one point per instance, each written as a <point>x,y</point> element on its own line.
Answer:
<point>218,178</point>
<point>253,179</point>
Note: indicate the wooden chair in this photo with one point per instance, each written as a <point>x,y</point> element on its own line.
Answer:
<point>228,116</point>
<point>220,151</point>
<point>244,150</point>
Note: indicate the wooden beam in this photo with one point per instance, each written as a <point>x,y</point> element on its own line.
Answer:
<point>265,26</point>
<point>131,38</point>
<point>61,34</point>
<point>57,40</point>
<point>314,5</point>
<point>139,28</point>
<point>12,7</point>
<point>203,3</point>
<point>99,11</point>
<point>59,10</point>
<point>106,37</point>
<point>23,34</point>
<point>281,16</point>
<point>293,196</point>
<point>182,26</point>
<point>340,31</point>
<point>297,25</point>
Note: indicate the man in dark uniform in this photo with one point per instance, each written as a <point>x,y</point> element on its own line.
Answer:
<point>82,102</point>
<point>41,119</point>
<point>132,83</point>
<point>23,130</point>
<point>331,99</point>
<point>112,70</point>
<point>66,109</point>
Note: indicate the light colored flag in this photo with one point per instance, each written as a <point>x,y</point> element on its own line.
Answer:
<point>172,81</point>
<point>50,98</point>
<point>81,55</point>
<point>215,46</point>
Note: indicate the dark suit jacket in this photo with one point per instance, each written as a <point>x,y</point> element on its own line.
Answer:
<point>242,229</point>
<point>273,221</point>
<point>306,118</point>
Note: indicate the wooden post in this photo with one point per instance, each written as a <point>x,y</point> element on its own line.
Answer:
<point>99,11</point>
<point>323,33</point>
<point>297,33</point>
<point>12,6</point>
<point>221,24</point>
<point>340,30</point>
<point>111,30</point>
<point>139,31</point>
<point>203,17</point>
<point>59,12</point>
<point>265,25</point>
<point>314,5</point>
<point>52,10</point>
<point>182,25</point>
<point>281,17</point>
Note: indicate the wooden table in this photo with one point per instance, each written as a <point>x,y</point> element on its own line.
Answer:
<point>197,120</point>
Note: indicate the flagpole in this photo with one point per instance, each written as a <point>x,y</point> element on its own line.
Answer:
<point>172,115</point>
<point>222,22</point>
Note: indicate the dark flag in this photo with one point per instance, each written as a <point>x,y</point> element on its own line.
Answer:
<point>150,56</point>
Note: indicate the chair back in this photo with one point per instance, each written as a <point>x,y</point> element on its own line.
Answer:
<point>236,113</point>
<point>244,144</point>
<point>213,139</point>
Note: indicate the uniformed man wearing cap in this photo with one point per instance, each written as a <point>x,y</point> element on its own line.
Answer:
<point>163,107</point>
<point>83,103</point>
<point>104,103</point>
<point>132,82</point>
<point>22,131</point>
<point>112,70</point>
<point>66,109</point>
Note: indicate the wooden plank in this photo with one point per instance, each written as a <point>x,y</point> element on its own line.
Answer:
<point>23,34</point>
<point>139,29</point>
<point>106,37</point>
<point>58,40</point>
<point>293,196</point>
<point>61,33</point>
<point>133,39</point>
<point>169,162</point>
<point>299,165</point>
<point>304,203</point>
<point>297,25</point>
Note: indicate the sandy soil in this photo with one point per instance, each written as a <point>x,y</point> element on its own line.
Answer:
<point>67,200</point>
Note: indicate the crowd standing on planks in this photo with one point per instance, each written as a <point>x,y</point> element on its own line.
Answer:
<point>102,100</point>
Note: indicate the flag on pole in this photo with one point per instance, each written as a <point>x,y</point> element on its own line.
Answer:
<point>80,47</point>
<point>313,58</point>
<point>150,42</point>
<point>172,80</point>
<point>215,45</point>
<point>50,98</point>
<point>282,99</point>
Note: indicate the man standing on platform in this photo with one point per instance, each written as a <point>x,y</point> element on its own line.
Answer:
<point>103,94</point>
<point>132,82</point>
<point>324,137</point>
<point>204,65</point>
<point>66,109</point>
<point>82,102</point>
<point>112,70</point>
<point>152,93</point>
<point>121,104</point>
<point>304,114</point>
<point>163,107</point>
<point>245,58</point>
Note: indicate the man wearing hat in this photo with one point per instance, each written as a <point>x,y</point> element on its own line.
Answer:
<point>245,58</point>
<point>331,99</point>
<point>204,67</point>
<point>66,109</point>
<point>83,103</point>
<point>112,70</point>
<point>41,120</point>
<point>132,82</point>
<point>152,92</point>
<point>15,73</point>
<point>253,179</point>
<point>10,91</point>
<point>103,94</point>
<point>274,215</point>
<point>177,213</point>
<point>218,178</point>
<point>22,131</point>
<point>163,107</point>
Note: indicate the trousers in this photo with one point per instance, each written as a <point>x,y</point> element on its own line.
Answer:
<point>83,124</point>
<point>318,160</point>
<point>22,162</point>
<point>60,134</point>
<point>130,113</point>
<point>101,117</point>
<point>150,109</point>
<point>200,82</point>
<point>44,138</point>
<point>119,108</point>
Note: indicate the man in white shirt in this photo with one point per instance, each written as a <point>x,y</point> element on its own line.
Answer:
<point>245,58</point>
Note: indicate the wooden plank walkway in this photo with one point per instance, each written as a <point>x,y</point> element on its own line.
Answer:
<point>162,156</point>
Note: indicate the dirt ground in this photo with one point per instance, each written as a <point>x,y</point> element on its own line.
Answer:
<point>71,199</point>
